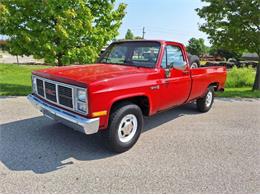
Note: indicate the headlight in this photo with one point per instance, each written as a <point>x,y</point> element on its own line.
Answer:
<point>81,100</point>
<point>81,106</point>
<point>81,95</point>
<point>34,84</point>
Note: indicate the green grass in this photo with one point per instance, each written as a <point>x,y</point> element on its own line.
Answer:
<point>239,83</point>
<point>240,77</point>
<point>243,92</point>
<point>16,79</point>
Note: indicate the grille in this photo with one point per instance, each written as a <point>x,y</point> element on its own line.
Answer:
<point>50,90</point>
<point>40,89</point>
<point>65,96</point>
<point>55,92</point>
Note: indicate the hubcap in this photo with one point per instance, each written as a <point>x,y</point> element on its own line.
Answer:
<point>127,128</point>
<point>194,65</point>
<point>209,98</point>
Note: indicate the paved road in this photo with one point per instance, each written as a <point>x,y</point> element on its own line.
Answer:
<point>180,151</point>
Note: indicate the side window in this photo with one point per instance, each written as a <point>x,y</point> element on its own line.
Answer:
<point>174,56</point>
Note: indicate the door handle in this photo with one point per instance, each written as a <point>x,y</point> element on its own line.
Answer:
<point>165,81</point>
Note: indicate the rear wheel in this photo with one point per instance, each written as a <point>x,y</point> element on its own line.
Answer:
<point>204,104</point>
<point>194,65</point>
<point>125,126</point>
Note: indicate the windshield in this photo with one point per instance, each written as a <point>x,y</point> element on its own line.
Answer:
<point>143,54</point>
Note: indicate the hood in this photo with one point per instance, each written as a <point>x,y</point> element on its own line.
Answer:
<point>88,73</point>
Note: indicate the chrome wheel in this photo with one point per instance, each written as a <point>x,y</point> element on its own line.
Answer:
<point>194,65</point>
<point>127,128</point>
<point>209,98</point>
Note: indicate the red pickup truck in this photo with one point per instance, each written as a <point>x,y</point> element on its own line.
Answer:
<point>130,80</point>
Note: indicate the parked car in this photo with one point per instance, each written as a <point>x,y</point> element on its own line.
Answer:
<point>126,84</point>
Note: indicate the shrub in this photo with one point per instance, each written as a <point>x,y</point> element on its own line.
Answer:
<point>240,77</point>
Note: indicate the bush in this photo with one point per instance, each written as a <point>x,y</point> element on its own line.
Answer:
<point>240,77</point>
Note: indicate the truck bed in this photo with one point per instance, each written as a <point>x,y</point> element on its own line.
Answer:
<point>201,77</point>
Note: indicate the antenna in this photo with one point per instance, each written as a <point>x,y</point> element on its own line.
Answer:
<point>143,33</point>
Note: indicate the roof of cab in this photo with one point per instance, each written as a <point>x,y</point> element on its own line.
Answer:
<point>147,40</point>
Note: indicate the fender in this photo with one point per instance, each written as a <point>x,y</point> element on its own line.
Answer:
<point>118,98</point>
<point>122,97</point>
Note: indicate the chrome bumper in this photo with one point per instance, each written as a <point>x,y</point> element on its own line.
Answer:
<point>79,123</point>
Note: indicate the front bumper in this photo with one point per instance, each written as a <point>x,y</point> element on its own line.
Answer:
<point>79,123</point>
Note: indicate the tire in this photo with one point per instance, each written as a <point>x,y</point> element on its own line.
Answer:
<point>125,126</point>
<point>204,104</point>
<point>194,61</point>
<point>194,65</point>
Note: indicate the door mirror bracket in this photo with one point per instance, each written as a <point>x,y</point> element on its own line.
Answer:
<point>167,72</point>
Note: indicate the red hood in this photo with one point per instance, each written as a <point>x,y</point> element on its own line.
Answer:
<point>87,73</point>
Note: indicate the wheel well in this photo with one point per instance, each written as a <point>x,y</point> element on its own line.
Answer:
<point>214,85</point>
<point>141,101</point>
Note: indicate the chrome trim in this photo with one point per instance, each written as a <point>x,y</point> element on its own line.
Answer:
<point>57,94</point>
<point>79,123</point>
<point>74,98</point>
<point>44,92</point>
<point>34,87</point>
<point>73,90</point>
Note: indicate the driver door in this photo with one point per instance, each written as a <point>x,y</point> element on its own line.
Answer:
<point>176,82</point>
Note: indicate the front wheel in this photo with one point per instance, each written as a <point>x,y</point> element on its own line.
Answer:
<point>204,104</point>
<point>125,126</point>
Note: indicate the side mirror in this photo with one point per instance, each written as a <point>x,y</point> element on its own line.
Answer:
<point>179,65</point>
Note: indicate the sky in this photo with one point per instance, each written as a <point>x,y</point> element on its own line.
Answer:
<point>173,20</point>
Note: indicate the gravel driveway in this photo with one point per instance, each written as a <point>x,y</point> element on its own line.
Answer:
<point>180,151</point>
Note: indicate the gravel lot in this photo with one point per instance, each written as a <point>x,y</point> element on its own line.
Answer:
<point>180,151</point>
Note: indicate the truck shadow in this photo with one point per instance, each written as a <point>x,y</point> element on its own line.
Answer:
<point>39,145</point>
<point>168,115</point>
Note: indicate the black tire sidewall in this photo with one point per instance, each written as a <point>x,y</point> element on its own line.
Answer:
<point>201,103</point>
<point>196,66</point>
<point>116,118</point>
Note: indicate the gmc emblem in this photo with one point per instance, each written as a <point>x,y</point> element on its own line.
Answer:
<point>51,92</point>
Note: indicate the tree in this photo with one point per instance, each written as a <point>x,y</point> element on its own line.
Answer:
<point>196,46</point>
<point>129,35</point>
<point>138,37</point>
<point>233,24</point>
<point>62,32</point>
